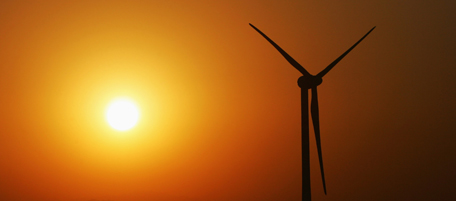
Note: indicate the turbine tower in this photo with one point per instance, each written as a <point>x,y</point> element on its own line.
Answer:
<point>306,82</point>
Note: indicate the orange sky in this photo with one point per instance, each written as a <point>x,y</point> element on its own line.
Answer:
<point>220,106</point>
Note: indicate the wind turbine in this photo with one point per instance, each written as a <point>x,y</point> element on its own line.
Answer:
<point>305,82</point>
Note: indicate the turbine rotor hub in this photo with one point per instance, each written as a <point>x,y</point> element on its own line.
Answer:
<point>308,82</point>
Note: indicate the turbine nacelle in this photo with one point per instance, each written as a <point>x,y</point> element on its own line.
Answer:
<point>308,82</point>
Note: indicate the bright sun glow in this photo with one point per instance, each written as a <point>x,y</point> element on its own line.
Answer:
<point>122,114</point>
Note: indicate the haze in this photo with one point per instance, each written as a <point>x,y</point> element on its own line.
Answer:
<point>222,104</point>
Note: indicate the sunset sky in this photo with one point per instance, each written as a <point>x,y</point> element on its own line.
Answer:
<point>220,107</point>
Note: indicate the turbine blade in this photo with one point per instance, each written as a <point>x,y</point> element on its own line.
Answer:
<point>328,68</point>
<point>316,124</point>
<point>293,62</point>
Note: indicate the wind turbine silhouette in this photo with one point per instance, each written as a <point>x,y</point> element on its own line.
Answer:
<point>306,82</point>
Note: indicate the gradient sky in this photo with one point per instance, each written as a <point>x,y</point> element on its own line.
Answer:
<point>220,106</point>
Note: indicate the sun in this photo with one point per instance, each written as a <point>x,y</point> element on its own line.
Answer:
<point>122,114</point>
